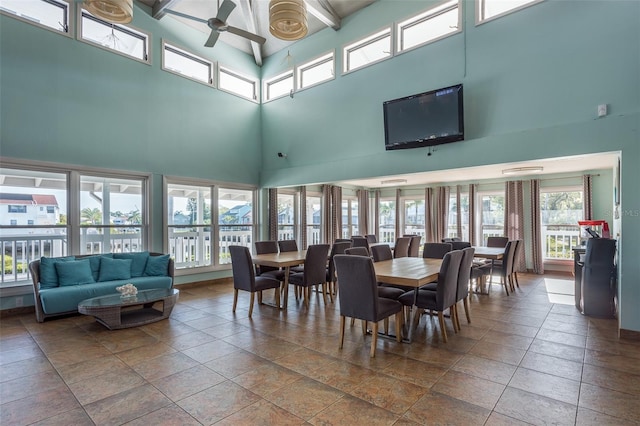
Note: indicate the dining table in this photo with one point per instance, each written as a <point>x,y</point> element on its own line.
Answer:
<point>491,253</point>
<point>284,260</point>
<point>409,272</point>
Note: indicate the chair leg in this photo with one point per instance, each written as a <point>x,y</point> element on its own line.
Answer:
<point>386,326</point>
<point>399,318</point>
<point>251,304</point>
<point>259,298</point>
<point>457,324</point>
<point>353,321</point>
<point>515,274</point>
<point>465,301</point>
<point>374,339</point>
<point>443,329</point>
<point>277,297</point>
<point>235,299</point>
<point>503,281</point>
<point>364,327</point>
<point>342,321</point>
<point>324,293</point>
<point>328,286</point>
<point>306,291</point>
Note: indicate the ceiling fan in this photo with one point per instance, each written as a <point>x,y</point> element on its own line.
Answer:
<point>219,24</point>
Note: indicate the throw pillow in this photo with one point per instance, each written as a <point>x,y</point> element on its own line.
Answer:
<point>48,273</point>
<point>95,264</point>
<point>75,272</point>
<point>139,261</point>
<point>157,266</point>
<point>114,269</point>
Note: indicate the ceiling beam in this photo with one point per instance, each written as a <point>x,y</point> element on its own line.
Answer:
<point>250,20</point>
<point>322,10</point>
<point>160,6</point>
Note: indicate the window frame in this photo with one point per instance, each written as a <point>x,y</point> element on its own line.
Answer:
<point>480,19</point>
<point>430,13</point>
<point>295,226</point>
<point>480,212</point>
<point>381,235</point>
<point>167,45</point>
<point>405,223</point>
<point>317,61</point>
<point>350,226</point>
<point>69,32</point>
<point>310,226</point>
<point>276,79</point>
<point>233,73</point>
<point>559,189</point>
<point>145,36</point>
<point>364,42</point>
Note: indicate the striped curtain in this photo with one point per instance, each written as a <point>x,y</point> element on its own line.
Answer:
<point>376,214</point>
<point>336,212</point>
<point>398,213</point>
<point>473,189</point>
<point>587,206</point>
<point>536,228</point>
<point>303,216</point>
<point>327,222</point>
<point>428,216</point>
<point>363,211</point>
<point>514,218</point>
<point>441,213</point>
<point>273,214</point>
<point>459,214</point>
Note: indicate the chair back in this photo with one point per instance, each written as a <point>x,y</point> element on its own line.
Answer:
<point>358,241</point>
<point>436,250</point>
<point>414,245</point>
<point>450,240</point>
<point>288,245</point>
<point>448,280</point>
<point>371,239</point>
<point>381,252</point>
<point>497,241</point>
<point>358,287</point>
<point>315,264</point>
<point>336,248</point>
<point>244,276</point>
<point>459,245</point>
<point>508,257</point>
<point>343,240</point>
<point>464,274</point>
<point>357,251</point>
<point>265,247</point>
<point>401,248</point>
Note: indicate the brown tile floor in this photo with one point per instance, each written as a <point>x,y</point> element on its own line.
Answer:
<point>522,360</point>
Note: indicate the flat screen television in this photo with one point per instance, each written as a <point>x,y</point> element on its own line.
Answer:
<point>426,119</point>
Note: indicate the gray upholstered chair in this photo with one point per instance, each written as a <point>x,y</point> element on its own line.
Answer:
<point>358,241</point>
<point>401,249</point>
<point>414,246</point>
<point>357,251</point>
<point>265,247</point>
<point>436,250</point>
<point>381,252</point>
<point>371,238</point>
<point>290,245</point>
<point>459,245</point>
<point>464,277</point>
<point>244,278</point>
<point>450,240</point>
<point>505,268</point>
<point>497,241</point>
<point>336,248</point>
<point>444,297</point>
<point>315,272</point>
<point>359,297</point>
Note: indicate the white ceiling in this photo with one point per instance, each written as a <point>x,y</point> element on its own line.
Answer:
<point>557,165</point>
<point>206,9</point>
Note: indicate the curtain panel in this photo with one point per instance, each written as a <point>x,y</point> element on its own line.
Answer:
<point>376,214</point>
<point>336,212</point>
<point>587,202</point>
<point>363,211</point>
<point>428,216</point>
<point>536,228</point>
<point>273,214</point>
<point>303,216</point>
<point>514,218</point>
<point>459,215</point>
<point>473,189</point>
<point>398,213</point>
<point>327,222</point>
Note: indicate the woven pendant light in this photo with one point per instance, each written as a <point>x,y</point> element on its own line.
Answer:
<point>288,19</point>
<point>114,11</point>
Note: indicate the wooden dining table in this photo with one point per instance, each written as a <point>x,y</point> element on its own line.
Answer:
<point>492,253</point>
<point>284,260</point>
<point>409,272</point>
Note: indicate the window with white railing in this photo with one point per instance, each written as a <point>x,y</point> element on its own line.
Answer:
<point>413,216</point>
<point>350,217</point>
<point>387,221</point>
<point>452,227</point>
<point>492,217</point>
<point>560,211</point>
<point>287,216</point>
<point>314,218</point>
<point>235,221</point>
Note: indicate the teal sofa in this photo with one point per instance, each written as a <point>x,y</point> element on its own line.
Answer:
<point>60,283</point>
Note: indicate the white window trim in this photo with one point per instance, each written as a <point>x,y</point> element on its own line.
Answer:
<point>408,22</point>
<point>187,52</point>
<point>364,41</point>
<point>480,21</point>
<point>321,59</point>
<point>79,37</point>
<point>255,81</point>
<point>70,20</point>
<point>275,79</point>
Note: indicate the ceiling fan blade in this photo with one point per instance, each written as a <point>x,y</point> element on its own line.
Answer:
<point>246,34</point>
<point>225,10</point>
<point>212,38</point>
<point>184,15</point>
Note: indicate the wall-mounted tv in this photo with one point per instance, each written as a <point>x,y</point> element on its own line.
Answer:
<point>425,119</point>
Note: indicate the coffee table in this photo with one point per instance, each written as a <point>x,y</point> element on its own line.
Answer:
<point>116,312</point>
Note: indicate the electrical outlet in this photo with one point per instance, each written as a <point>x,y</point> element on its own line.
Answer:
<point>19,301</point>
<point>602,110</point>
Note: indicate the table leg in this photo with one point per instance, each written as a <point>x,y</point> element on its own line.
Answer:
<point>286,287</point>
<point>412,317</point>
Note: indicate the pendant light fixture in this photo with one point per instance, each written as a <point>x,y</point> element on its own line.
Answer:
<point>113,11</point>
<point>288,19</point>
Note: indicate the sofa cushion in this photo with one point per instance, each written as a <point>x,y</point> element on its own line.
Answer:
<point>75,272</point>
<point>114,269</point>
<point>48,273</point>
<point>157,266</point>
<point>139,261</point>
<point>95,264</point>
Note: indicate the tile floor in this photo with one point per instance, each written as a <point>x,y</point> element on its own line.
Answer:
<point>522,360</point>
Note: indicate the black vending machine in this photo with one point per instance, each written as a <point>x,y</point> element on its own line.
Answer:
<point>595,278</point>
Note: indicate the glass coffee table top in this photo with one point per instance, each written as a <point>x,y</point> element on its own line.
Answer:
<point>143,296</point>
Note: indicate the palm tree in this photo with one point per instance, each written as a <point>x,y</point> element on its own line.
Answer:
<point>134,217</point>
<point>91,216</point>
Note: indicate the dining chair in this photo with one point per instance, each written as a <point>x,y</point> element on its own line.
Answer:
<point>450,240</point>
<point>459,245</point>
<point>290,245</point>
<point>436,250</point>
<point>464,277</point>
<point>497,241</point>
<point>371,238</point>
<point>358,241</point>
<point>265,247</point>
<point>359,297</point>
<point>357,251</point>
<point>516,255</point>
<point>444,297</point>
<point>336,248</point>
<point>414,245</point>
<point>382,252</point>
<point>505,268</point>
<point>401,249</point>
<point>315,272</point>
<point>244,278</point>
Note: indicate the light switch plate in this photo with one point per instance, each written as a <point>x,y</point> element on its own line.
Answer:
<point>602,110</point>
